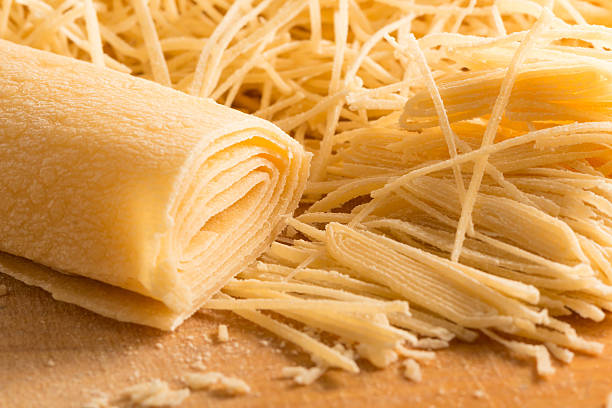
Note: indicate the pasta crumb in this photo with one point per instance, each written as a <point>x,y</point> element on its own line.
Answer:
<point>222,334</point>
<point>303,375</point>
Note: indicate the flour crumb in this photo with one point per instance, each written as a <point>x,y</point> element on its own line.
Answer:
<point>222,333</point>
<point>216,381</point>
<point>479,394</point>
<point>159,346</point>
<point>50,363</point>
<point>155,393</point>
<point>198,365</point>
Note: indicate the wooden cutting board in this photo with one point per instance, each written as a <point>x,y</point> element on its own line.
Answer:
<point>53,354</point>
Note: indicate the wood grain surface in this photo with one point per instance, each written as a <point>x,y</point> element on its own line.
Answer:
<point>53,354</point>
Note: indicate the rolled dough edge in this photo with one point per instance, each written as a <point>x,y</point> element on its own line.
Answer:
<point>99,297</point>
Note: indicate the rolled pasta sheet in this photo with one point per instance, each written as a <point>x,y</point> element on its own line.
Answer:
<point>140,201</point>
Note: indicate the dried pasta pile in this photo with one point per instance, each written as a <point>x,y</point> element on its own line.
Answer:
<point>462,153</point>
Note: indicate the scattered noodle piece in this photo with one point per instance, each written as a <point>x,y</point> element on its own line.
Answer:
<point>416,354</point>
<point>331,357</point>
<point>431,344</point>
<point>412,370</point>
<point>216,381</point>
<point>203,381</point>
<point>155,393</point>
<point>538,352</point>
<point>100,400</point>
<point>151,40</point>
<point>303,375</point>
<point>381,358</point>
<point>93,34</point>
<point>560,353</point>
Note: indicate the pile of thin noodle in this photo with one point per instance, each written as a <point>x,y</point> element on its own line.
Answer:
<point>462,152</point>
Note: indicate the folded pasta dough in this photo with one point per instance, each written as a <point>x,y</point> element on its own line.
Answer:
<point>140,201</point>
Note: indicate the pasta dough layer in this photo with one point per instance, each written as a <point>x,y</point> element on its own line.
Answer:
<point>123,181</point>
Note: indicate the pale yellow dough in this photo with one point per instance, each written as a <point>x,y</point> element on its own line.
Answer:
<point>161,196</point>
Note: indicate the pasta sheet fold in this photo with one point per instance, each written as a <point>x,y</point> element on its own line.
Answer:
<point>155,196</point>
